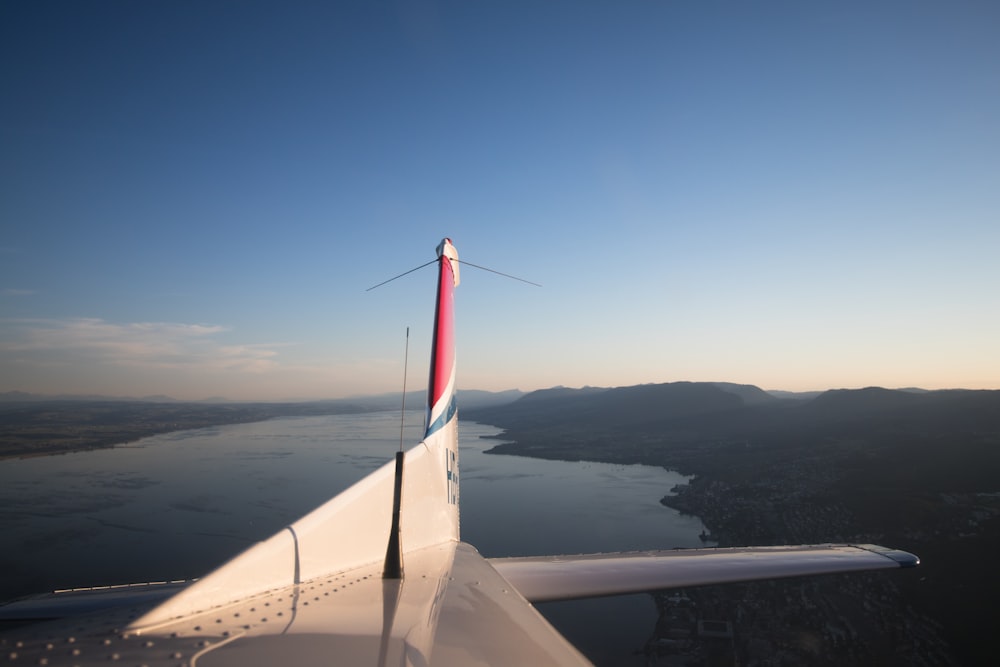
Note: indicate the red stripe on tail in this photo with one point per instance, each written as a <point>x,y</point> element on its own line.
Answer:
<point>443,350</point>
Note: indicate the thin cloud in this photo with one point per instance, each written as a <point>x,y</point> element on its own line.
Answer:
<point>142,344</point>
<point>250,358</point>
<point>188,361</point>
<point>12,291</point>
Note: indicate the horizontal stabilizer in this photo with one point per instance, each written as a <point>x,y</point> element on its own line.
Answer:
<point>546,578</point>
<point>76,601</point>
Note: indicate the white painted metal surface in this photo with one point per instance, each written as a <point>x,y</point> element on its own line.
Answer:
<point>546,578</point>
<point>349,531</point>
<point>452,608</point>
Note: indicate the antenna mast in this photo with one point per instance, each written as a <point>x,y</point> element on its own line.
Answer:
<point>402,412</point>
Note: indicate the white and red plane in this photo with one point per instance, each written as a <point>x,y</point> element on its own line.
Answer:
<point>378,575</point>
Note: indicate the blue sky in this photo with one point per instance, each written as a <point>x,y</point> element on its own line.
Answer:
<point>195,195</point>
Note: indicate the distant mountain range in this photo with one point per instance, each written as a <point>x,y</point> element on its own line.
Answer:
<point>414,399</point>
<point>712,409</point>
<point>724,410</point>
<point>25,397</point>
<point>471,398</point>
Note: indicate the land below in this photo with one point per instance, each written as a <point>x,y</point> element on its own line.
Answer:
<point>40,426</point>
<point>58,427</point>
<point>918,471</point>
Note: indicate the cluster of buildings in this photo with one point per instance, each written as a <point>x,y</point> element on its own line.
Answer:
<point>851,619</point>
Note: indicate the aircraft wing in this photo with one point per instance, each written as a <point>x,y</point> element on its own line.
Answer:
<point>452,607</point>
<point>378,575</point>
<point>548,578</point>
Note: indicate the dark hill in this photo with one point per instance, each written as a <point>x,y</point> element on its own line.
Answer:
<point>596,408</point>
<point>696,411</point>
<point>751,394</point>
<point>867,400</point>
<point>902,411</point>
<point>558,393</point>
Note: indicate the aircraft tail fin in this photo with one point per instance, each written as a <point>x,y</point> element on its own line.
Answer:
<point>353,528</point>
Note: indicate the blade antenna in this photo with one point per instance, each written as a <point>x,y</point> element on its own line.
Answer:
<point>499,273</point>
<point>433,261</point>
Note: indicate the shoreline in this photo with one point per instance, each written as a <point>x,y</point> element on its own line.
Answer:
<point>767,503</point>
<point>116,443</point>
<point>53,428</point>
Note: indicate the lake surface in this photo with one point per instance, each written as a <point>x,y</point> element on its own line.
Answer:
<point>174,506</point>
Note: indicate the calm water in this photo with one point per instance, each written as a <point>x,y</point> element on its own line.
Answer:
<point>176,505</point>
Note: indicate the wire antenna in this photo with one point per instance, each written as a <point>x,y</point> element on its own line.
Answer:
<point>384,282</point>
<point>460,261</point>
<point>505,275</point>
<point>402,413</point>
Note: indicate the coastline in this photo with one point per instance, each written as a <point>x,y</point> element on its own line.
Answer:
<point>763,498</point>
<point>64,427</point>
